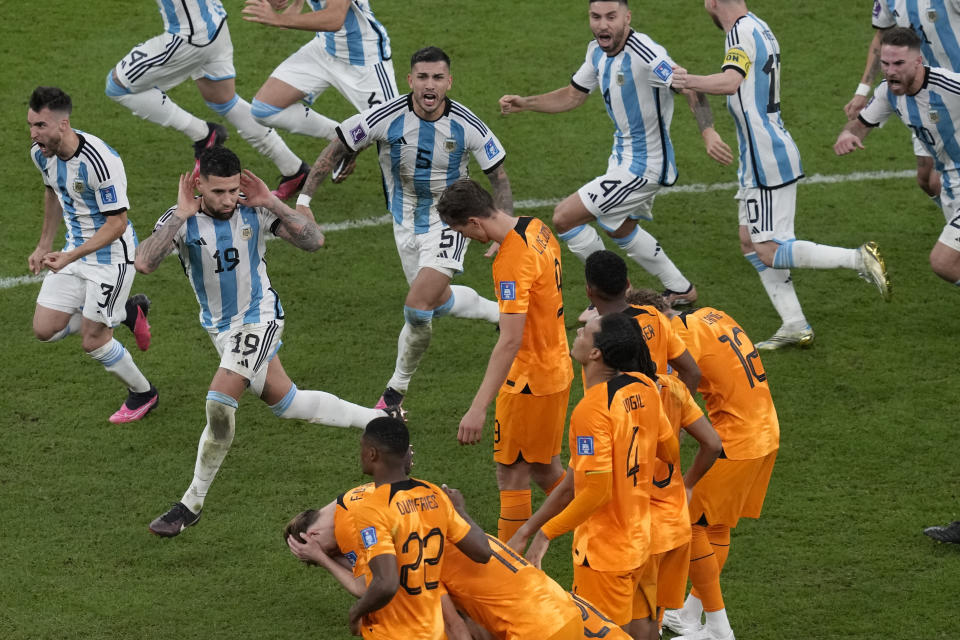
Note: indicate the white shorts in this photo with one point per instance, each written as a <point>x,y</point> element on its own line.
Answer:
<point>618,195</point>
<point>248,349</point>
<point>312,71</point>
<point>918,149</point>
<point>768,213</point>
<point>950,235</point>
<point>166,60</point>
<point>441,248</point>
<point>99,291</point>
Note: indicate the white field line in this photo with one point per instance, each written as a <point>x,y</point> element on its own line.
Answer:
<point>520,205</point>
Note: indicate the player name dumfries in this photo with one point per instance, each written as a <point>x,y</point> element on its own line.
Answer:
<point>424,503</point>
<point>632,403</point>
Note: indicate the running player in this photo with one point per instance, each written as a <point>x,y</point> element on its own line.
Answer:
<point>617,431</point>
<point>196,44</point>
<point>634,75</point>
<point>86,289</point>
<point>529,371</point>
<point>351,52</point>
<point>737,396</point>
<point>927,99</point>
<point>424,140</point>
<point>769,171</point>
<point>221,244</point>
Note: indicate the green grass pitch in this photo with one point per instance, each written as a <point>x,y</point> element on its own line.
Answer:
<point>868,453</point>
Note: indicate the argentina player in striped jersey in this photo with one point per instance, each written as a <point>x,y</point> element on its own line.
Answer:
<point>937,22</point>
<point>927,100</point>
<point>86,290</point>
<point>351,52</point>
<point>633,74</point>
<point>196,44</point>
<point>425,141</point>
<point>220,240</point>
<point>769,170</point>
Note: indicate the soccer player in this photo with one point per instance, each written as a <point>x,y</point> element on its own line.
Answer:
<point>927,99</point>
<point>196,44</point>
<point>220,241</point>
<point>769,171</point>
<point>735,390</point>
<point>350,53</point>
<point>87,288</point>
<point>529,371</point>
<point>634,75</point>
<point>606,281</point>
<point>617,431</point>
<point>424,141</point>
<point>938,25</point>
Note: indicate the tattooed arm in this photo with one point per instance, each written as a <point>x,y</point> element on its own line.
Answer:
<point>297,228</point>
<point>158,246</point>
<point>331,156</point>
<point>716,147</point>
<point>502,194</point>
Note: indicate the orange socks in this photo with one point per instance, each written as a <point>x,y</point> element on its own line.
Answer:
<point>704,571</point>
<point>515,509</point>
<point>719,535</point>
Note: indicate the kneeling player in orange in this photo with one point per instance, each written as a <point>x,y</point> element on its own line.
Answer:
<point>616,432</point>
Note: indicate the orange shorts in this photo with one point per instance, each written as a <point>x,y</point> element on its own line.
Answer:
<point>596,624</point>
<point>732,489</point>
<point>573,630</point>
<point>529,426</point>
<point>672,569</point>
<point>622,595</point>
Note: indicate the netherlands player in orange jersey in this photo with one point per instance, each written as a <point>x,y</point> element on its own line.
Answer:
<point>529,372</point>
<point>607,285</point>
<point>737,396</point>
<point>403,526</point>
<point>617,431</point>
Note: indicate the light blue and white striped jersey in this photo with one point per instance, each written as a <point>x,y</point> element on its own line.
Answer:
<point>768,155</point>
<point>635,85</point>
<point>196,21</point>
<point>362,41</point>
<point>89,185</point>
<point>933,114</point>
<point>419,159</point>
<point>937,22</point>
<point>224,261</point>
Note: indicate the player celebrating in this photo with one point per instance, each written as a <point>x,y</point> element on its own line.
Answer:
<point>529,371</point>
<point>89,281</point>
<point>769,171</point>
<point>221,244</point>
<point>423,140</point>
<point>634,74</point>
<point>927,99</point>
<point>351,53</point>
<point>197,45</point>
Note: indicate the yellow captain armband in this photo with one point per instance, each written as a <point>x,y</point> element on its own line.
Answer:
<point>738,59</point>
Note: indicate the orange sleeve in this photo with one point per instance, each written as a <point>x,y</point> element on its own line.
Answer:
<point>591,434</point>
<point>457,527</point>
<point>668,448</point>
<point>675,344</point>
<point>690,411</point>
<point>374,529</point>
<point>596,492</point>
<point>513,274</point>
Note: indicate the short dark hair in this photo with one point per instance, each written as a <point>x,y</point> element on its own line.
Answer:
<point>606,273</point>
<point>623,2</point>
<point>901,37</point>
<point>621,343</point>
<point>647,297</point>
<point>389,434</point>
<point>462,200</point>
<point>219,161</point>
<point>299,524</point>
<point>429,54</point>
<point>52,98</point>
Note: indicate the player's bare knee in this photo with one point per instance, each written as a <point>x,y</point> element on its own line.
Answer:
<point>44,332</point>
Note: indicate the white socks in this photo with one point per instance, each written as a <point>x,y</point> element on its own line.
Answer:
<point>810,255</point>
<point>265,140</point>
<point>117,360</point>
<point>717,624</point>
<point>158,108</point>
<point>320,407</point>
<point>467,303</point>
<point>582,241</point>
<point>412,344</point>
<point>783,295</point>
<point>297,118</point>
<point>645,250</point>
<point>215,441</point>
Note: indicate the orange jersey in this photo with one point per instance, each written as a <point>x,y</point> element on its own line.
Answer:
<point>615,429</point>
<point>662,339</point>
<point>733,384</point>
<point>414,521</point>
<point>508,596</point>
<point>345,531</point>
<point>528,279</point>
<point>670,520</point>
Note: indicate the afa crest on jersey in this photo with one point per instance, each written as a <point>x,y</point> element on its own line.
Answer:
<point>78,185</point>
<point>585,445</point>
<point>246,232</point>
<point>934,116</point>
<point>932,14</point>
<point>369,537</point>
<point>450,145</point>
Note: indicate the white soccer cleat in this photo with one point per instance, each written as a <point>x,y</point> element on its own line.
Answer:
<point>674,620</point>
<point>783,338</point>
<point>873,269</point>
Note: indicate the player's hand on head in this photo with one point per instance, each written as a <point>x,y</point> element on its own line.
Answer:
<point>716,147</point>
<point>855,106</point>
<point>187,204</point>
<point>256,191</point>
